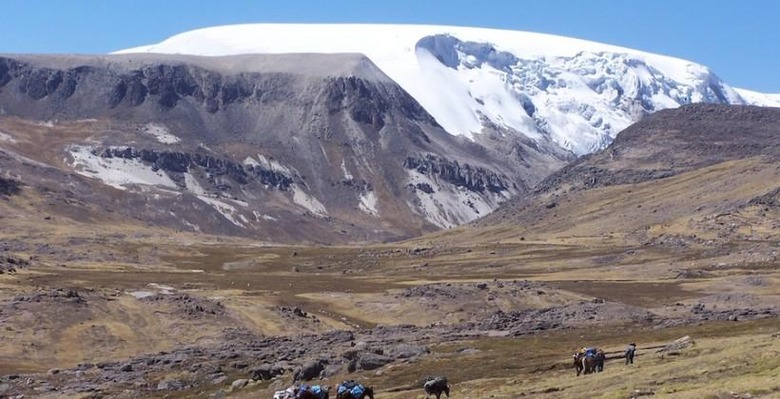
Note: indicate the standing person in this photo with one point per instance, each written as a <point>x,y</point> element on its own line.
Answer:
<point>630,352</point>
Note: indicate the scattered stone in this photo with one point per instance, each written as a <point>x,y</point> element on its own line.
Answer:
<point>266,372</point>
<point>309,371</point>
<point>239,383</point>
<point>678,344</point>
<point>641,392</point>
<point>372,361</point>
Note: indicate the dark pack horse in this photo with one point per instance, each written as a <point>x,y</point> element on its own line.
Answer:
<point>436,386</point>
<point>312,392</point>
<point>351,390</point>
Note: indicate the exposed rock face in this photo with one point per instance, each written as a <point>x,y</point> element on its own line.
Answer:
<point>283,147</point>
<point>177,163</point>
<point>9,187</point>
<point>474,179</point>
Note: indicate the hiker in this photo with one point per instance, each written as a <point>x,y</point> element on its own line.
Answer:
<point>630,352</point>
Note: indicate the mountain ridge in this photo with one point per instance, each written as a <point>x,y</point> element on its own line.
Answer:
<point>254,145</point>
<point>674,178</point>
<point>326,135</point>
<point>577,93</point>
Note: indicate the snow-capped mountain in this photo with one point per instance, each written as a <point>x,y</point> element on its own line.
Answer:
<point>577,93</point>
<point>289,133</point>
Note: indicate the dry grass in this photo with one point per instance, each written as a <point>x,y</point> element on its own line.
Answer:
<point>725,358</point>
<point>586,249</point>
<point>674,205</point>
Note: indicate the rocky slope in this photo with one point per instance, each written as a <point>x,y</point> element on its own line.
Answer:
<point>283,148</point>
<point>694,174</point>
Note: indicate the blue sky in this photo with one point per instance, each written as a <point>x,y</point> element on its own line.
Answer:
<point>739,40</point>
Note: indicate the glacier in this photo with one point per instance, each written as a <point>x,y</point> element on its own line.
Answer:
<point>579,94</point>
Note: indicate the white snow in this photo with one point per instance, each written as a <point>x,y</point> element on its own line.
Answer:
<point>228,211</point>
<point>756,98</point>
<point>116,172</point>
<point>193,186</point>
<point>249,161</point>
<point>193,226</point>
<point>158,289</point>
<point>579,93</point>
<point>141,294</point>
<point>259,216</point>
<point>272,164</point>
<point>7,138</point>
<point>368,203</point>
<point>305,200</point>
<point>161,133</point>
<point>347,175</point>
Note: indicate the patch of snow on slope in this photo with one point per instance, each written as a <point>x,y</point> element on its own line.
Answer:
<point>307,201</point>
<point>368,203</point>
<point>578,93</point>
<point>194,227</point>
<point>192,184</point>
<point>249,161</point>
<point>273,165</point>
<point>161,133</point>
<point>117,172</point>
<point>259,216</point>
<point>449,206</point>
<point>228,211</point>
<point>158,289</point>
<point>7,138</point>
<point>141,294</point>
<point>347,175</point>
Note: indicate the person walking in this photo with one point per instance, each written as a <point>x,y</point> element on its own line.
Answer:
<point>630,352</point>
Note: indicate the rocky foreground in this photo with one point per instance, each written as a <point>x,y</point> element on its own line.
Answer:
<point>244,358</point>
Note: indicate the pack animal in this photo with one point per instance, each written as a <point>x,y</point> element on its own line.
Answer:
<point>436,386</point>
<point>313,392</point>
<point>589,360</point>
<point>353,390</point>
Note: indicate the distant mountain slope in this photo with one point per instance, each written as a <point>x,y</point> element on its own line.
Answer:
<point>693,175</point>
<point>760,99</point>
<point>577,93</point>
<point>285,148</point>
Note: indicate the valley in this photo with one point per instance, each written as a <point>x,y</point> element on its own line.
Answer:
<point>500,317</point>
<point>219,217</point>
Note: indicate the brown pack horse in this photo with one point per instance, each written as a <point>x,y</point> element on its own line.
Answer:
<point>588,364</point>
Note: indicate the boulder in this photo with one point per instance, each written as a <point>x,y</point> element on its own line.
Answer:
<point>405,351</point>
<point>309,370</point>
<point>372,361</point>
<point>676,345</point>
<point>239,383</point>
<point>266,372</point>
